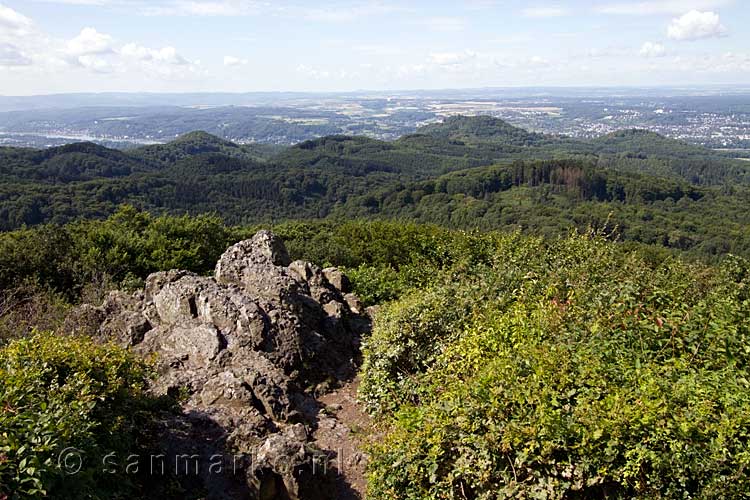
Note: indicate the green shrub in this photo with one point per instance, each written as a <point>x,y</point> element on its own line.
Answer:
<point>376,285</point>
<point>125,248</point>
<point>410,334</point>
<point>60,393</point>
<point>592,375</point>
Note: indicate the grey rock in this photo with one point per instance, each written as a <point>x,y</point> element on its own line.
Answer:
<point>195,346</point>
<point>176,303</point>
<point>355,305</point>
<point>242,347</point>
<point>320,288</point>
<point>156,281</point>
<point>126,328</point>
<point>286,467</point>
<point>338,279</point>
<point>258,265</point>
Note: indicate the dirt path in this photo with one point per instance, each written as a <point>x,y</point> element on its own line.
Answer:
<point>342,430</point>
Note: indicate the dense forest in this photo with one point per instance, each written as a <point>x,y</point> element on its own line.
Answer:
<point>552,318</point>
<point>468,172</point>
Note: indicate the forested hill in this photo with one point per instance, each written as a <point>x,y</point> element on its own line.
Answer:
<point>552,197</point>
<point>632,150</point>
<point>199,142</point>
<point>465,172</point>
<point>482,128</point>
<point>66,164</point>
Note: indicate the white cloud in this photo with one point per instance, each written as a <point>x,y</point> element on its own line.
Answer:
<point>165,55</point>
<point>661,6</point>
<point>342,13</point>
<point>32,52</point>
<point>88,42</point>
<point>729,62</point>
<point>696,25</point>
<point>231,61</point>
<point>138,52</point>
<point>651,49</point>
<point>95,63</point>
<point>379,49</point>
<point>203,8</point>
<point>543,12</point>
<point>451,58</point>
<point>410,70</point>
<point>315,73</point>
<point>10,55</point>
<point>165,62</point>
<point>13,21</point>
<point>79,2</point>
<point>97,52</point>
<point>604,52</point>
<point>469,66</point>
<point>337,13</point>
<point>447,24</point>
<point>169,55</point>
<point>23,45</point>
<point>321,11</point>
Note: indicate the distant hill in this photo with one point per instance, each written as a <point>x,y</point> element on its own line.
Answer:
<point>648,152</point>
<point>556,196</point>
<point>635,150</point>
<point>481,128</point>
<point>70,163</point>
<point>645,142</point>
<point>202,142</point>
<point>465,172</point>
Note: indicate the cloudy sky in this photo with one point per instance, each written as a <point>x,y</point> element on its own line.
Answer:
<point>49,46</point>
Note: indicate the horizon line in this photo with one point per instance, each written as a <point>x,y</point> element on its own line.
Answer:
<point>743,86</point>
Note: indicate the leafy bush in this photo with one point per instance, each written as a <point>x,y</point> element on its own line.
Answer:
<point>385,259</point>
<point>591,374</point>
<point>376,285</point>
<point>60,393</point>
<point>410,335</point>
<point>127,247</point>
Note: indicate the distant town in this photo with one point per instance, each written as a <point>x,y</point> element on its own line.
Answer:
<point>715,119</point>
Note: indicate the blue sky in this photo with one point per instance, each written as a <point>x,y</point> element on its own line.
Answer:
<point>49,46</point>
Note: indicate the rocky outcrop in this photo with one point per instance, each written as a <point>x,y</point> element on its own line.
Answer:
<point>248,351</point>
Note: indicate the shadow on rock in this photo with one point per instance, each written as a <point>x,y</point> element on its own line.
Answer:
<point>247,351</point>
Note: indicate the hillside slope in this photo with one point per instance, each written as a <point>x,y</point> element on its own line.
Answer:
<point>555,196</point>
<point>66,164</point>
<point>499,364</point>
<point>202,142</point>
<point>463,172</point>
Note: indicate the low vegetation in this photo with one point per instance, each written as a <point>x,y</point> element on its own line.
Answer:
<point>593,347</point>
<point>67,404</point>
<point>565,369</point>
